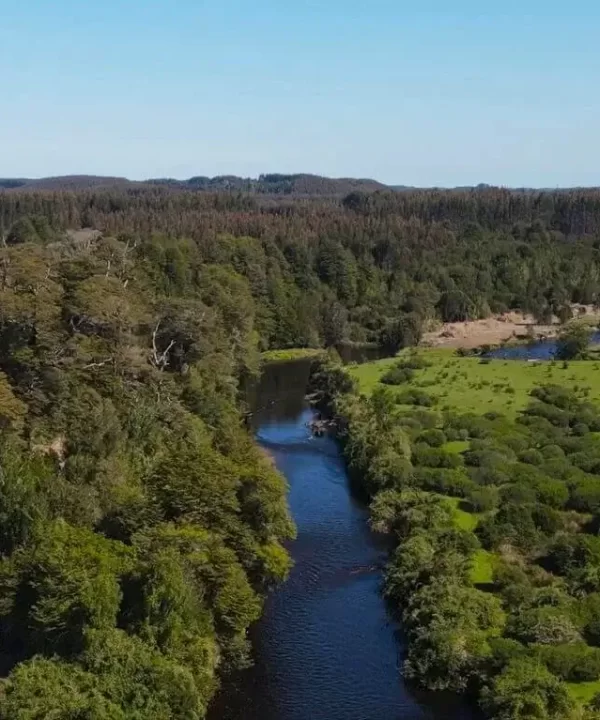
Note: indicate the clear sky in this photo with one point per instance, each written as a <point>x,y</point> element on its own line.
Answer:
<point>427,92</point>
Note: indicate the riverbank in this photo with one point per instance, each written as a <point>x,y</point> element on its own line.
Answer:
<point>486,511</point>
<point>325,646</point>
<point>501,329</point>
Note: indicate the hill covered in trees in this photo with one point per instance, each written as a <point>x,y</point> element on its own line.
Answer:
<point>269,184</point>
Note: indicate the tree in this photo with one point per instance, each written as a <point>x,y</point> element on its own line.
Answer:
<point>406,331</point>
<point>66,581</point>
<point>573,342</point>
<point>47,688</point>
<point>525,689</point>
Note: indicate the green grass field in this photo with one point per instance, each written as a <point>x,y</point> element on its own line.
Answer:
<point>463,519</point>
<point>482,569</point>
<point>584,691</point>
<point>468,385</point>
<point>482,572</point>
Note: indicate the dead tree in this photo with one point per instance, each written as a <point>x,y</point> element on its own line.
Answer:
<point>160,360</point>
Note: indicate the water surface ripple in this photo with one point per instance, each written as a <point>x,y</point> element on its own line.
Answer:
<point>325,648</point>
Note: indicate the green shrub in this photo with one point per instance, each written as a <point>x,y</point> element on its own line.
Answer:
<point>434,438</point>
<point>397,376</point>
<point>576,662</point>
<point>413,396</point>
<point>484,499</point>
<point>531,457</point>
<point>434,457</point>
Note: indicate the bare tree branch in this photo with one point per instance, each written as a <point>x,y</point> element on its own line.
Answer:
<point>98,364</point>
<point>160,360</point>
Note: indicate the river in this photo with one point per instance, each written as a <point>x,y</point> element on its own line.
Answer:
<point>544,350</point>
<point>326,647</point>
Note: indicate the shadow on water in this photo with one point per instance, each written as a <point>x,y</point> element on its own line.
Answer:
<point>325,648</point>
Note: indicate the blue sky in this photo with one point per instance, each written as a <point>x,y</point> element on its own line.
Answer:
<point>425,93</point>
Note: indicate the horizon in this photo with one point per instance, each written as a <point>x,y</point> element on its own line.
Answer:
<point>427,96</point>
<point>390,185</point>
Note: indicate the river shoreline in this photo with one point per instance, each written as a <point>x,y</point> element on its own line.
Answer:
<point>326,647</point>
<point>502,329</point>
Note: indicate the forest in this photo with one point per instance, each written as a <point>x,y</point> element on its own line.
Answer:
<point>369,267</point>
<point>140,527</point>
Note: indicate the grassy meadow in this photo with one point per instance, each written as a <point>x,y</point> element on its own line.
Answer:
<point>467,384</point>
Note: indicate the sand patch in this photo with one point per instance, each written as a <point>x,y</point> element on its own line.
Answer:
<point>499,329</point>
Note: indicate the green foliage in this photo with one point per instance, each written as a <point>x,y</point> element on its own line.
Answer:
<point>574,663</point>
<point>139,525</point>
<point>537,564</point>
<point>525,690</point>
<point>573,342</point>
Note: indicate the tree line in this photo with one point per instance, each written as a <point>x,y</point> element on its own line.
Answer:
<point>373,267</point>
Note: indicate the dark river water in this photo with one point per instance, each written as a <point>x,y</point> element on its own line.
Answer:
<point>325,648</point>
<point>535,351</point>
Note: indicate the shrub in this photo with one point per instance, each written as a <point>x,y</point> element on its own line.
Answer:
<point>547,519</point>
<point>414,361</point>
<point>428,419</point>
<point>484,499</point>
<point>531,456</point>
<point>576,662</point>
<point>388,469</point>
<point>513,524</point>
<point>544,626</point>
<point>397,376</point>
<point>435,457</point>
<point>552,452</point>
<point>518,494</point>
<point>580,429</point>
<point>433,438</point>
<point>446,481</point>
<point>525,690</point>
<point>504,650</point>
<point>490,474</point>
<point>415,397</point>
<point>585,496</point>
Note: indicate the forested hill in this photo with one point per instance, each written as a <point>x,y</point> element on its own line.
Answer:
<point>374,267</point>
<point>269,184</point>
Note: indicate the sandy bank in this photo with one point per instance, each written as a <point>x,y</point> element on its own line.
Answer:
<point>499,329</point>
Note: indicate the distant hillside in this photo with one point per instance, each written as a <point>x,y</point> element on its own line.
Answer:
<point>67,182</point>
<point>10,183</point>
<point>270,184</point>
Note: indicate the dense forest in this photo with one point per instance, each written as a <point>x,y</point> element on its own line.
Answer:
<point>369,267</point>
<point>139,525</point>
